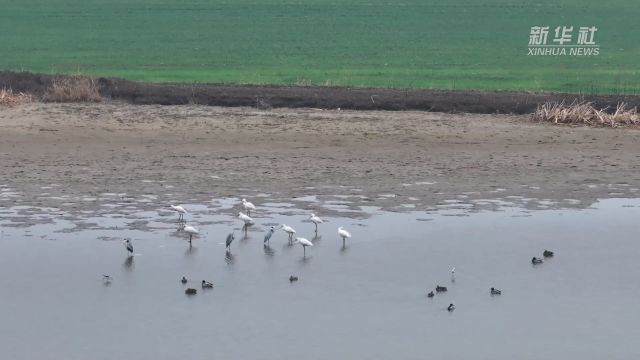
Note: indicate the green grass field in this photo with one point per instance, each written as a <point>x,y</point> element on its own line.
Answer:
<point>452,44</point>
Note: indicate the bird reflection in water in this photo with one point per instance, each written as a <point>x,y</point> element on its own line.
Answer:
<point>268,250</point>
<point>316,238</point>
<point>190,251</point>
<point>229,258</point>
<point>128,263</point>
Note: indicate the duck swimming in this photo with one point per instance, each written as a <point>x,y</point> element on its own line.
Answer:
<point>536,260</point>
<point>430,294</point>
<point>495,291</point>
<point>547,253</point>
<point>441,288</point>
<point>183,280</point>
<point>207,285</point>
<point>191,291</point>
<point>293,278</point>
<point>451,307</point>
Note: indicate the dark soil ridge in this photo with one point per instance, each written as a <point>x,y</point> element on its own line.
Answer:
<point>324,97</point>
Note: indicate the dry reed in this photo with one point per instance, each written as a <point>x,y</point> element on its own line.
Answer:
<point>73,89</point>
<point>9,98</point>
<point>584,113</point>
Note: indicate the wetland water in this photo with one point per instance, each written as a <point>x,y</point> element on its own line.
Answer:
<point>367,301</point>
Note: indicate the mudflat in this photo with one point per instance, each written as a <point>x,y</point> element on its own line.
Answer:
<point>50,153</point>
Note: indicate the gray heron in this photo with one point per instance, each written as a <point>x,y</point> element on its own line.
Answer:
<point>129,246</point>
<point>229,240</point>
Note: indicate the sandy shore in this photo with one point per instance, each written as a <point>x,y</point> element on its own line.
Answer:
<point>50,153</point>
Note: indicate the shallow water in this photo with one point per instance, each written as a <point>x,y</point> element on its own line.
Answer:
<point>367,301</point>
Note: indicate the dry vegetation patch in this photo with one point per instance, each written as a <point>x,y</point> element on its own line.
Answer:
<point>73,89</point>
<point>9,98</point>
<point>582,112</point>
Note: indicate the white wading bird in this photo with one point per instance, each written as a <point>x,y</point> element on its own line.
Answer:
<point>246,218</point>
<point>180,210</point>
<point>316,220</point>
<point>344,234</point>
<point>191,231</point>
<point>248,206</point>
<point>304,242</point>
<point>128,245</point>
<point>289,230</point>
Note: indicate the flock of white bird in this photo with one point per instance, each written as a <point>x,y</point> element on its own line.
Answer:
<point>248,220</point>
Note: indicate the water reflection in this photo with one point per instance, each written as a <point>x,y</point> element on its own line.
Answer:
<point>316,238</point>
<point>229,258</point>
<point>245,228</point>
<point>128,263</point>
<point>287,247</point>
<point>191,250</point>
<point>268,250</point>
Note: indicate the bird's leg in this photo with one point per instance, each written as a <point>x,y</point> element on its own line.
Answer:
<point>304,251</point>
<point>316,227</point>
<point>343,243</point>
